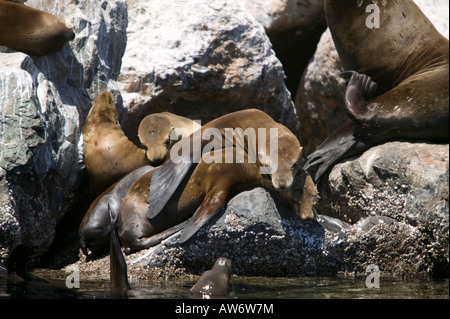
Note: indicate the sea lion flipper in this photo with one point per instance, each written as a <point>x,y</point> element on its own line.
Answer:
<point>165,182</point>
<point>207,210</point>
<point>360,88</point>
<point>335,147</point>
<point>118,266</point>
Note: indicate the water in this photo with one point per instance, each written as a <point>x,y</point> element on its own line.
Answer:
<point>244,288</point>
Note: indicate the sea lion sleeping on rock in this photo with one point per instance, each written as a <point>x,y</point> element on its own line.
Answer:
<point>281,165</point>
<point>32,31</point>
<point>201,196</point>
<point>159,131</point>
<point>399,84</point>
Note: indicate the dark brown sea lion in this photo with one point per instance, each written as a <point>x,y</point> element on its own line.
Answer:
<point>32,31</point>
<point>201,196</point>
<point>159,131</point>
<point>108,153</point>
<point>398,88</point>
<point>95,227</point>
<point>214,282</point>
<point>118,273</point>
<point>281,165</point>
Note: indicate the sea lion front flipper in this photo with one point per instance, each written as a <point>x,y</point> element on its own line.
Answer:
<point>118,266</point>
<point>207,210</point>
<point>360,89</point>
<point>165,182</point>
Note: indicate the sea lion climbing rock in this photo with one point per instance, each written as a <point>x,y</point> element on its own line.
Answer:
<point>108,153</point>
<point>281,163</point>
<point>32,31</point>
<point>398,81</point>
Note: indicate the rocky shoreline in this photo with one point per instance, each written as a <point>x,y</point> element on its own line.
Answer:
<point>388,207</point>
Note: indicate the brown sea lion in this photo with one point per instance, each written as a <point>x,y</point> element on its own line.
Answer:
<point>95,227</point>
<point>108,153</point>
<point>282,165</point>
<point>399,84</point>
<point>202,195</point>
<point>32,31</point>
<point>214,282</point>
<point>159,131</point>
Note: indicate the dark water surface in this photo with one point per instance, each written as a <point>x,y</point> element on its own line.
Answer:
<point>244,288</point>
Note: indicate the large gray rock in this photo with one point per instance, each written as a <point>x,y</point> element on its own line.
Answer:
<point>200,59</point>
<point>43,104</point>
<point>407,183</point>
<point>279,15</point>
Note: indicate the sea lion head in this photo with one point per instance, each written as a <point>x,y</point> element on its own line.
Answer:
<point>157,135</point>
<point>103,109</point>
<point>301,197</point>
<point>286,165</point>
<point>224,265</point>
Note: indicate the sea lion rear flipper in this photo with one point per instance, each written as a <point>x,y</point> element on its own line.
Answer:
<point>165,182</point>
<point>337,146</point>
<point>147,242</point>
<point>360,89</point>
<point>118,266</point>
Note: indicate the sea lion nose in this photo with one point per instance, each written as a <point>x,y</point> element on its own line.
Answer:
<point>282,185</point>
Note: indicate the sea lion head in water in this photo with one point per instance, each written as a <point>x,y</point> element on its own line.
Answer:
<point>32,31</point>
<point>159,131</point>
<point>214,282</point>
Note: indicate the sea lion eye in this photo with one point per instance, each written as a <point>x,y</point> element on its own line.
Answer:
<point>167,142</point>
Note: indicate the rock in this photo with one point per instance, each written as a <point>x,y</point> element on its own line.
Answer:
<point>319,98</point>
<point>320,94</point>
<point>200,65</point>
<point>264,239</point>
<point>294,28</point>
<point>279,15</point>
<point>260,237</point>
<point>43,103</point>
<point>408,183</point>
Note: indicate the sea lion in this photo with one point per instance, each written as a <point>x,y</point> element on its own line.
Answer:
<point>202,195</point>
<point>95,227</point>
<point>32,31</point>
<point>282,165</point>
<point>118,274</point>
<point>108,153</point>
<point>159,131</point>
<point>398,86</point>
<point>214,282</point>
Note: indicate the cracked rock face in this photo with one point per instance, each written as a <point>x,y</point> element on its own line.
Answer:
<point>43,103</point>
